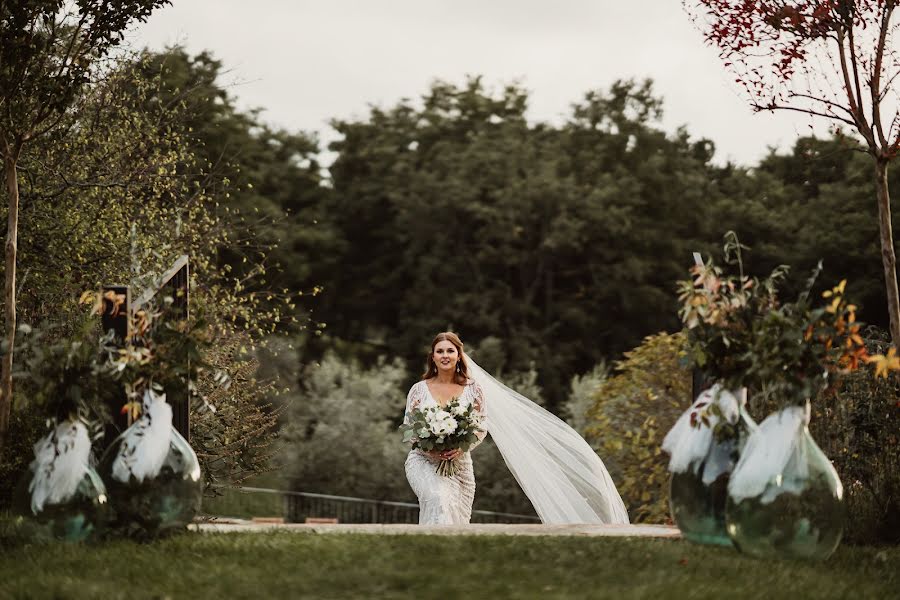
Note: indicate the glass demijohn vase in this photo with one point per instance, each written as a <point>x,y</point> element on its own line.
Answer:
<point>785,498</point>
<point>152,474</point>
<point>698,492</point>
<point>60,496</point>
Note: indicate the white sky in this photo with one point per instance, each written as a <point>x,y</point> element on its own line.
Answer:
<point>305,62</point>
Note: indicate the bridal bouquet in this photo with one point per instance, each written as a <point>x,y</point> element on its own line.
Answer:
<point>443,428</point>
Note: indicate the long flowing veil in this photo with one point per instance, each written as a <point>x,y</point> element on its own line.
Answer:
<point>558,471</point>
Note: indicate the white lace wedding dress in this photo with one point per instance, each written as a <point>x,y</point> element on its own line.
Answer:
<point>442,500</point>
<point>559,472</point>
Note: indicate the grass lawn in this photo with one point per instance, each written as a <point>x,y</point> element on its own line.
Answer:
<point>291,565</point>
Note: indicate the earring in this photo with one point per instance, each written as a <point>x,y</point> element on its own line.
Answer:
<point>458,367</point>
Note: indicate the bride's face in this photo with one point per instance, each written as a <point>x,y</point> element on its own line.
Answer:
<point>445,356</point>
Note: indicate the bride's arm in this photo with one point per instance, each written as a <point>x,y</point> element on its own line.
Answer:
<point>413,400</point>
<point>479,405</point>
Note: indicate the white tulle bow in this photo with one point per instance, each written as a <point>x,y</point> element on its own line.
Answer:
<point>146,442</point>
<point>689,445</point>
<point>767,454</point>
<point>60,463</point>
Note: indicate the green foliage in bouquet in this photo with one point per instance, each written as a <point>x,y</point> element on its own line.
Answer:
<point>800,348</point>
<point>163,349</point>
<point>60,374</point>
<point>443,428</point>
<point>428,429</point>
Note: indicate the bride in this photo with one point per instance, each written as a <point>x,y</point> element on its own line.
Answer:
<point>559,472</point>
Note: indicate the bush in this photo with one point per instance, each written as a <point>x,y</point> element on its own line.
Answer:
<point>342,438</point>
<point>25,427</point>
<point>582,391</point>
<point>633,410</point>
<point>858,428</point>
<point>237,439</point>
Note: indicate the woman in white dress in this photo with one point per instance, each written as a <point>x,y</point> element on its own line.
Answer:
<point>559,472</point>
<point>443,500</point>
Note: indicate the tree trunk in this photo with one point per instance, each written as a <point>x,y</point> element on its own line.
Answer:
<point>888,257</point>
<point>11,156</point>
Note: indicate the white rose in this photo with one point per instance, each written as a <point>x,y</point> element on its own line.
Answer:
<point>441,422</point>
<point>444,426</point>
<point>442,415</point>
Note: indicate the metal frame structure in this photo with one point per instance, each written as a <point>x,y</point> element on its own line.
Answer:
<point>175,283</point>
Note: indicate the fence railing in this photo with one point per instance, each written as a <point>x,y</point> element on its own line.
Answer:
<point>297,507</point>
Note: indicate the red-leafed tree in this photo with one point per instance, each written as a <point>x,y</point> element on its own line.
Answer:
<point>831,59</point>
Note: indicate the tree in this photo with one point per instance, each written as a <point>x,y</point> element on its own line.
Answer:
<point>560,241</point>
<point>49,49</point>
<point>830,59</point>
<point>114,194</point>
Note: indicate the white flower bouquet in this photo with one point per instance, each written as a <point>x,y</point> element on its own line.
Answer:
<point>443,428</point>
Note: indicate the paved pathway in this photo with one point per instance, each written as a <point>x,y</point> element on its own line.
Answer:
<point>660,531</point>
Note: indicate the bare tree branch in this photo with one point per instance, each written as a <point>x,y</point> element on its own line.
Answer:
<point>876,74</point>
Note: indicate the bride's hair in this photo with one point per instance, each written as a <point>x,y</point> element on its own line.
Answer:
<point>462,371</point>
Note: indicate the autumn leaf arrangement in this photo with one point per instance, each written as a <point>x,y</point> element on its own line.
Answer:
<point>741,334</point>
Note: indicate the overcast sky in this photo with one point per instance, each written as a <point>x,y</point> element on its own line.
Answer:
<point>305,62</point>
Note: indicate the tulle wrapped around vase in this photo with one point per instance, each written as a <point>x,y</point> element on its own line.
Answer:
<point>152,474</point>
<point>702,462</point>
<point>785,499</point>
<point>61,496</point>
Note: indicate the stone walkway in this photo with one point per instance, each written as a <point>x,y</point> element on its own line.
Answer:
<point>234,525</point>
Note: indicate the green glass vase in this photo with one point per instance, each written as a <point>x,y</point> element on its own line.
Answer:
<point>697,496</point>
<point>798,512</point>
<point>154,506</point>
<point>75,518</point>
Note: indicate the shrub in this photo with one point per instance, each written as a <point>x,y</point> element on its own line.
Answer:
<point>236,440</point>
<point>582,391</point>
<point>342,438</point>
<point>858,428</point>
<point>633,410</point>
<point>24,430</point>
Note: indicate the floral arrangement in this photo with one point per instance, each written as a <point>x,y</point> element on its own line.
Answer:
<point>741,335</point>
<point>443,428</point>
<point>719,312</point>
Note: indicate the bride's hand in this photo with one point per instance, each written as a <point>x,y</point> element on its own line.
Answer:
<point>445,455</point>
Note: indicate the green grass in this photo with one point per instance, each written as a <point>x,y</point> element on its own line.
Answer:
<point>291,565</point>
<point>234,503</point>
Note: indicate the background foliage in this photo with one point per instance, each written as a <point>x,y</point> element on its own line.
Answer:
<point>633,410</point>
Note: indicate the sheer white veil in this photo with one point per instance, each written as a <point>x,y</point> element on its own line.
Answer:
<point>556,468</point>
